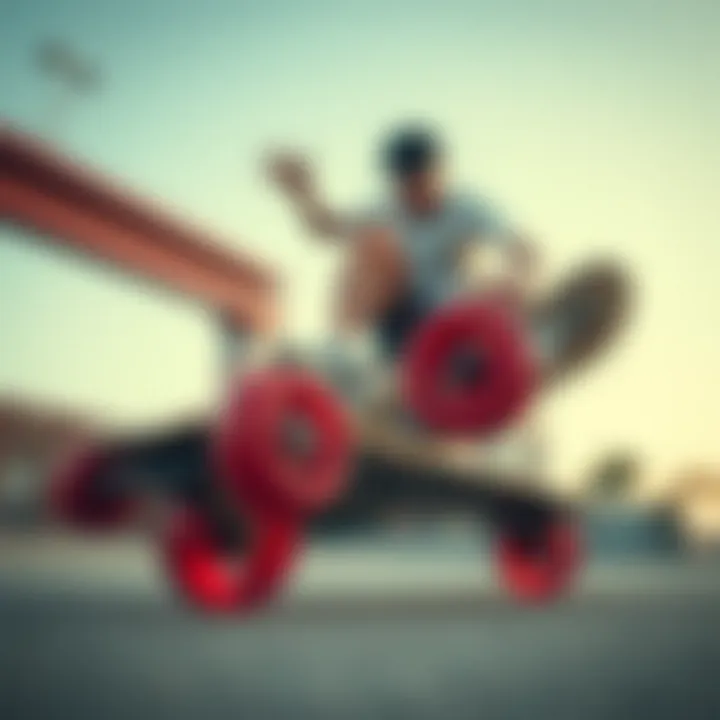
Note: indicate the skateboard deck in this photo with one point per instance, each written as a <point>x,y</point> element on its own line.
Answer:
<point>589,307</point>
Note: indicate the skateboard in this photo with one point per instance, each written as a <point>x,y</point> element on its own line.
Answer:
<point>287,455</point>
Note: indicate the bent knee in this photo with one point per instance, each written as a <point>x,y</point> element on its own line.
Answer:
<point>374,276</point>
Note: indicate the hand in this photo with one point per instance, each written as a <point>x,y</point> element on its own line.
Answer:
<point>292,173</point>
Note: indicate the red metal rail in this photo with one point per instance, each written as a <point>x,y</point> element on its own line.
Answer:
<point>73,206</point>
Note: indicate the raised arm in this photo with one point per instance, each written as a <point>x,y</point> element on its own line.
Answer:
<point>293,174</point>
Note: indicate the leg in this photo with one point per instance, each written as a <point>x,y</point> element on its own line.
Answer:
<point>374,278</point>
<point>372,281</point>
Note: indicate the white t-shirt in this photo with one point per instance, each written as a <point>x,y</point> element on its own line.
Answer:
<point>434,243</point>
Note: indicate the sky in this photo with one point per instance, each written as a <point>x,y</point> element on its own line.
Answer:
<point>592,124</point>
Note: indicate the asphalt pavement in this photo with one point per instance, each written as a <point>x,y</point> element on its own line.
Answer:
<point>91,633</point>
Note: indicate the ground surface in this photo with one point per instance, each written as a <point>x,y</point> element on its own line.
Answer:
<point>89,632</point>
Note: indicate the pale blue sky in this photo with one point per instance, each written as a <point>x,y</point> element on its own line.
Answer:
<point>593,123</point>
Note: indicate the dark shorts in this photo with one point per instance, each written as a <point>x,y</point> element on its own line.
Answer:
<point>397,325</point>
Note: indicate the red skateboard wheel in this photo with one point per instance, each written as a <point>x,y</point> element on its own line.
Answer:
<point>284,442</point>
<point>542,568</point>
<point>468,368</point>
<point>217,579</point>
<point>76,497</point>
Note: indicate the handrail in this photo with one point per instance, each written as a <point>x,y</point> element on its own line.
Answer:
<point>78,208</point>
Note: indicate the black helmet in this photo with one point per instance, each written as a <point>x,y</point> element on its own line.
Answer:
<point>409,150</point>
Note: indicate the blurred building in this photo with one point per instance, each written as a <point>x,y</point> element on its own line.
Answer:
<point>695,495</point>
<point>32,436</point>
